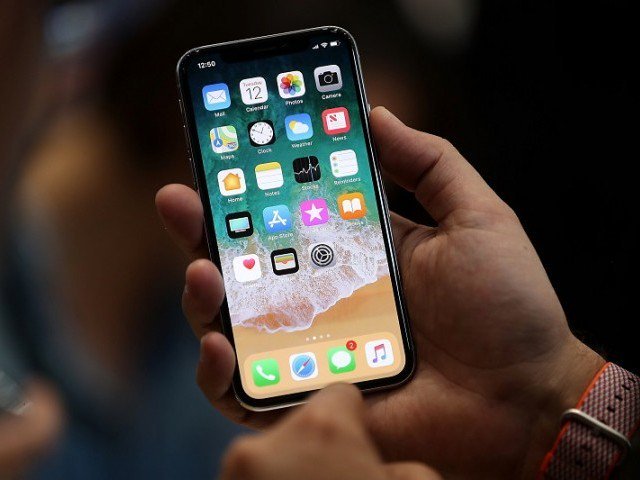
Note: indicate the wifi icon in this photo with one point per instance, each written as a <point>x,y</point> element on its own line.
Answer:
<point>324,44</point>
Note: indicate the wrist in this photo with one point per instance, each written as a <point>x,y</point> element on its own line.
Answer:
<point>568,376</point>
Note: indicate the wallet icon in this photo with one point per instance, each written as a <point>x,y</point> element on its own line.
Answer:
<point>216,96</point>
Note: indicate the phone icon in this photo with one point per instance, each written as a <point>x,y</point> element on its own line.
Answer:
<point>265,372</point>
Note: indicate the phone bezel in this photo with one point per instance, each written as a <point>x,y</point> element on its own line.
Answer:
<point>278,44</point>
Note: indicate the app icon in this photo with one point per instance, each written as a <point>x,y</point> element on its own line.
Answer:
<point>298,127</point>
<point>336,120</point>
<point>239,224</point>
<point>216,96</point>
<point>261,133</point>
<point>303,366</point>
<point>265,372</point>
<point>352,206</point>
<point>254,90</point>
<point>328,78</point>
<point>322,254</point>
<point>284,261</point>
<point>343,163</point>
<point>379,353</point>
<point>341,360</point>
<point>246,268</point>
<point>306,169</point>
<point>314,212</point>
<point>224,139</point>
<point>231,182</point>
<point>269,175</point>
<point>277,219</point>
<point>291,84</point>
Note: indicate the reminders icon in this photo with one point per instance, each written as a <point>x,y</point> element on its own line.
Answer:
<point>343,163</point>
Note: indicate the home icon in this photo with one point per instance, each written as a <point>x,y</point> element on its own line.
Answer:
<point>231,182</point>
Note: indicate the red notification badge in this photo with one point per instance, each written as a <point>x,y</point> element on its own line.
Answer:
<point>351,345</point>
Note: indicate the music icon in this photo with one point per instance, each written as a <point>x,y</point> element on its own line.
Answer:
<point>379,353</point>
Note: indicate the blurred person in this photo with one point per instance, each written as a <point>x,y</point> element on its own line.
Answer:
<point>91,278</point>
<point>30,420</point>
<point>497,369</point>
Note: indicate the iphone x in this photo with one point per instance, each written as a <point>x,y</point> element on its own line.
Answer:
<point>295,215</point>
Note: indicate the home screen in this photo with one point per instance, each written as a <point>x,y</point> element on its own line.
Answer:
<point>296,219</point>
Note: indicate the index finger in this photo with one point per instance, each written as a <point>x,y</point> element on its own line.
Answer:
<point>444,182</point>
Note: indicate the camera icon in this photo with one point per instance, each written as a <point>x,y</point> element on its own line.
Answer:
<point>328,78</point>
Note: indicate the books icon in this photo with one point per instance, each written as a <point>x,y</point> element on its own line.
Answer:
<point>352,206</point>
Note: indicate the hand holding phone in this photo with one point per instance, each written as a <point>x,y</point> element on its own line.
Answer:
<point>497,363</point>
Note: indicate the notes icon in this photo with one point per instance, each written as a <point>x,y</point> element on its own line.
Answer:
<point>379,353</point>
<point>269,175</point>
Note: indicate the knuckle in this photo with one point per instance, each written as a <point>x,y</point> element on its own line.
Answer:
<point>242,459</point>
<point>321,423</point>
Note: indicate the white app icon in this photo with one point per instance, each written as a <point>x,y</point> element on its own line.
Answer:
<point>291,84</point>
<point>269,175</point>
<point>231,182</point>
<point>303,366</point>
<point>254,90</point>
<point>379,353</point>
<point>246,268</point>
<point>343,163</point>
<point>328,78</point>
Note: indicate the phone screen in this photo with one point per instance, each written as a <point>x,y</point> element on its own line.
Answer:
<point>297,222</point>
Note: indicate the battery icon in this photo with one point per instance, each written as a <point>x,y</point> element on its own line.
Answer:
<point>335,43</point>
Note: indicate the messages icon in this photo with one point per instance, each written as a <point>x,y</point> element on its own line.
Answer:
<point>341,360</point>
<point>216,96</point>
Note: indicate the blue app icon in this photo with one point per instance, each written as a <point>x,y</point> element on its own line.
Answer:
<point>298,127</point>
<point>303,366</point>
<point>216,96</point>
<point>277,219</point>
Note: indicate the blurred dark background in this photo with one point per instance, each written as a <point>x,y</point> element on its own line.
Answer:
<point>537,95</point>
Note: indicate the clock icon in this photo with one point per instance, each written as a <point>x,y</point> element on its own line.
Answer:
<point>261,133</point>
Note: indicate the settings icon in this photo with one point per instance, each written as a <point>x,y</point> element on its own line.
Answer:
<point>322,254</point>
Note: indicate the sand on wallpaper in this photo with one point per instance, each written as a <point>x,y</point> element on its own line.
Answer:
<point>367,310</point>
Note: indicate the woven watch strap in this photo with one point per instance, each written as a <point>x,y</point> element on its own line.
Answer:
<point>584,451</point>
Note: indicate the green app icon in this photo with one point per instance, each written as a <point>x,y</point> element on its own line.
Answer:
<point>265,372</point>
<point>341,360</point>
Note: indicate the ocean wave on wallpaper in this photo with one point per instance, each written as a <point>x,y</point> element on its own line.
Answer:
<point>291,302</point>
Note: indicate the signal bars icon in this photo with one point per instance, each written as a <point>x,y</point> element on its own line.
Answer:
<point>315,47</point>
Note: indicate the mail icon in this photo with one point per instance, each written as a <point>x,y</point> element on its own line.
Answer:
<point>216,96</point>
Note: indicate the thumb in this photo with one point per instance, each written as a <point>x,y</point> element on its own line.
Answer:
<point>443,181</point>
<point>410,471</point>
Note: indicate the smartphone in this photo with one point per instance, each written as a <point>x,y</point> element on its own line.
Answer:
<point>12,399</point>
<point>295,215</point>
